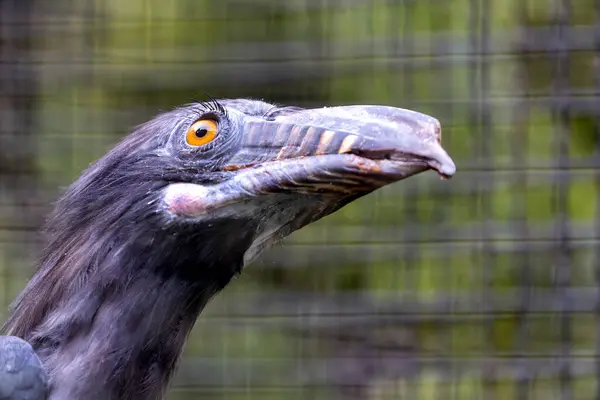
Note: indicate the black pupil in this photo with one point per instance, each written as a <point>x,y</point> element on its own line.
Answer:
<point>201,132</point>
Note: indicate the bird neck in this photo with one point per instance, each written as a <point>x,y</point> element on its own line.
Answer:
<point>109,315</point>
<point>131,347</point>
<point>120,286</point>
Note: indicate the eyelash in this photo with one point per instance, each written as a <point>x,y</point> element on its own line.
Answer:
<point>212,108</point>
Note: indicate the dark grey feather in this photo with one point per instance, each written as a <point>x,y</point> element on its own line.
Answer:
<point>22,376</point>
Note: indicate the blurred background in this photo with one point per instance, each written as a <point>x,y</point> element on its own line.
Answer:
<point>482,287</point>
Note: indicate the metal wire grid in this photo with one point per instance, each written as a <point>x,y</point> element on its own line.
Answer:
<point>330,339</point>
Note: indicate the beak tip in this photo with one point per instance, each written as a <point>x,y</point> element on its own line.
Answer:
<point>447,170</point>
<point>443,164</point>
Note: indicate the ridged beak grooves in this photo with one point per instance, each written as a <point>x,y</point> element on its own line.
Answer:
<point>335,151</point>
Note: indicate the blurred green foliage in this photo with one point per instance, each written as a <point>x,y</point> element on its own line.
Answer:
<point>108,65</point>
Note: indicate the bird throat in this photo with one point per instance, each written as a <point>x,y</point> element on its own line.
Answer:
<point>116,326</point>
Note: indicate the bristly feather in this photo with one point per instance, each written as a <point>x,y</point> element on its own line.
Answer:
<point>211,104</point>
<point>276,111</point>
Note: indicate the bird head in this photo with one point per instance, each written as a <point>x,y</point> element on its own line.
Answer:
<point>201,190</point>
<point>280,168</point>
<point>206,187</point>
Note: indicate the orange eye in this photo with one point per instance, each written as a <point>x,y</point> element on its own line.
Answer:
<point>201,132</point>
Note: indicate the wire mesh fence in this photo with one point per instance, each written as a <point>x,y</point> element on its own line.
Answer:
<point>482,287</point>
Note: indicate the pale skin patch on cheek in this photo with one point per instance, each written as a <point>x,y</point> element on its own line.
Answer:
<point>186,199</point>
<point>191,200</point>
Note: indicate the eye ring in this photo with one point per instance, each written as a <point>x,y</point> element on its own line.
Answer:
<point>201,132</point>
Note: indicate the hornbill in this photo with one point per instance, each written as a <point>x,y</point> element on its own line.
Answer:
<point>150,232</point>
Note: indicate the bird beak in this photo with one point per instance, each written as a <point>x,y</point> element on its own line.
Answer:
<point>333,151</point>
<point>411,139</point>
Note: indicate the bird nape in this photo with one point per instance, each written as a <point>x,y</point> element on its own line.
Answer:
<point>138,245</point>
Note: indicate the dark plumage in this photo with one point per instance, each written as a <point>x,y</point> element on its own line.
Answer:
<point>138,245</point>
